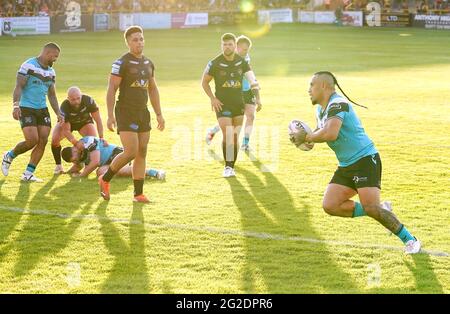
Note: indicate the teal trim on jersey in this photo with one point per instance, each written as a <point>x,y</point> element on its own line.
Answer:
<point>352,142</point>
<point>39,81</point>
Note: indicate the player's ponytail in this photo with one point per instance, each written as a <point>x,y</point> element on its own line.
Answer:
<point>337,84</point>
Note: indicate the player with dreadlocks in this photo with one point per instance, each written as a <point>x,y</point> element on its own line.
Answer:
<point>359,170</point>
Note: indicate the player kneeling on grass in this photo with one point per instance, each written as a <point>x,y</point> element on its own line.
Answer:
<point>79,111</point>
<point>359,170</point>
<point>96,156</point>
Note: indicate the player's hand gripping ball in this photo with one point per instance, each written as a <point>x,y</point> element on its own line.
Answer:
<point>297,134</point>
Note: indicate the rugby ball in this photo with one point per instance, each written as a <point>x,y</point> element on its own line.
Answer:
<point>297,133</point>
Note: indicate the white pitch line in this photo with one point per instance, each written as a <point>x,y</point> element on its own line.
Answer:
<point>246,234</point>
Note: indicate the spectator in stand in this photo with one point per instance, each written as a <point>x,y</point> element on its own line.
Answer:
<point>44,10</point>
<point>423,9</point>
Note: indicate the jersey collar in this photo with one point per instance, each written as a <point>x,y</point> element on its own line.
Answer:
<point>333,96</point>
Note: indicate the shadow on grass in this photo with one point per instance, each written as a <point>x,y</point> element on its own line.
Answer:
<point>278,266</point>
<point>426,280</point>
<point>45,235</point>
<point>8,225</point>
<point>129,273</point>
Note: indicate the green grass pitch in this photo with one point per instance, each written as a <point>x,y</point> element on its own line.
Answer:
<point>264,231</point>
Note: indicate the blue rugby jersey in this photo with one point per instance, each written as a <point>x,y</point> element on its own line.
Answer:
<point>39,81</point>
<point>352,142</point>
<point>92,143</point>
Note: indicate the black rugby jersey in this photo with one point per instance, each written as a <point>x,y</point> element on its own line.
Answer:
<point>135,74</point>
<point>228,77</point>
<point>80,115</point>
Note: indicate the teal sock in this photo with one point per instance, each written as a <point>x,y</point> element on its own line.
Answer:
<point>31,168</point>
<point>151,172</point>
<point>404,235</point>
<point>359,210</point>
<point>246,140</point>
<point>11,154</point>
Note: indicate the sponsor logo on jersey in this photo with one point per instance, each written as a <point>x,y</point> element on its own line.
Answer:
<point>335,106</point>
<point>232,84</point>
<point>140,83</point>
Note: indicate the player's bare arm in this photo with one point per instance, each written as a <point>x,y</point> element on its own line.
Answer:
<point>70,137</point>
<point>156,103</point>
<point>216,104</point>
<point>113,86</point>
<point>21,81</point>
<point>75,168</point>
<point>94,158</point>
<point>328,133</point>
<point>54,102</point>
<point>99,123</point>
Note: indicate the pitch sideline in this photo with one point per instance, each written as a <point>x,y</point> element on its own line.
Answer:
<point>241,233</point>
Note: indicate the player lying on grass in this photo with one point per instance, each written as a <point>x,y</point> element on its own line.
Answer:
<point>96,156</point>
<point>359,170</point>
